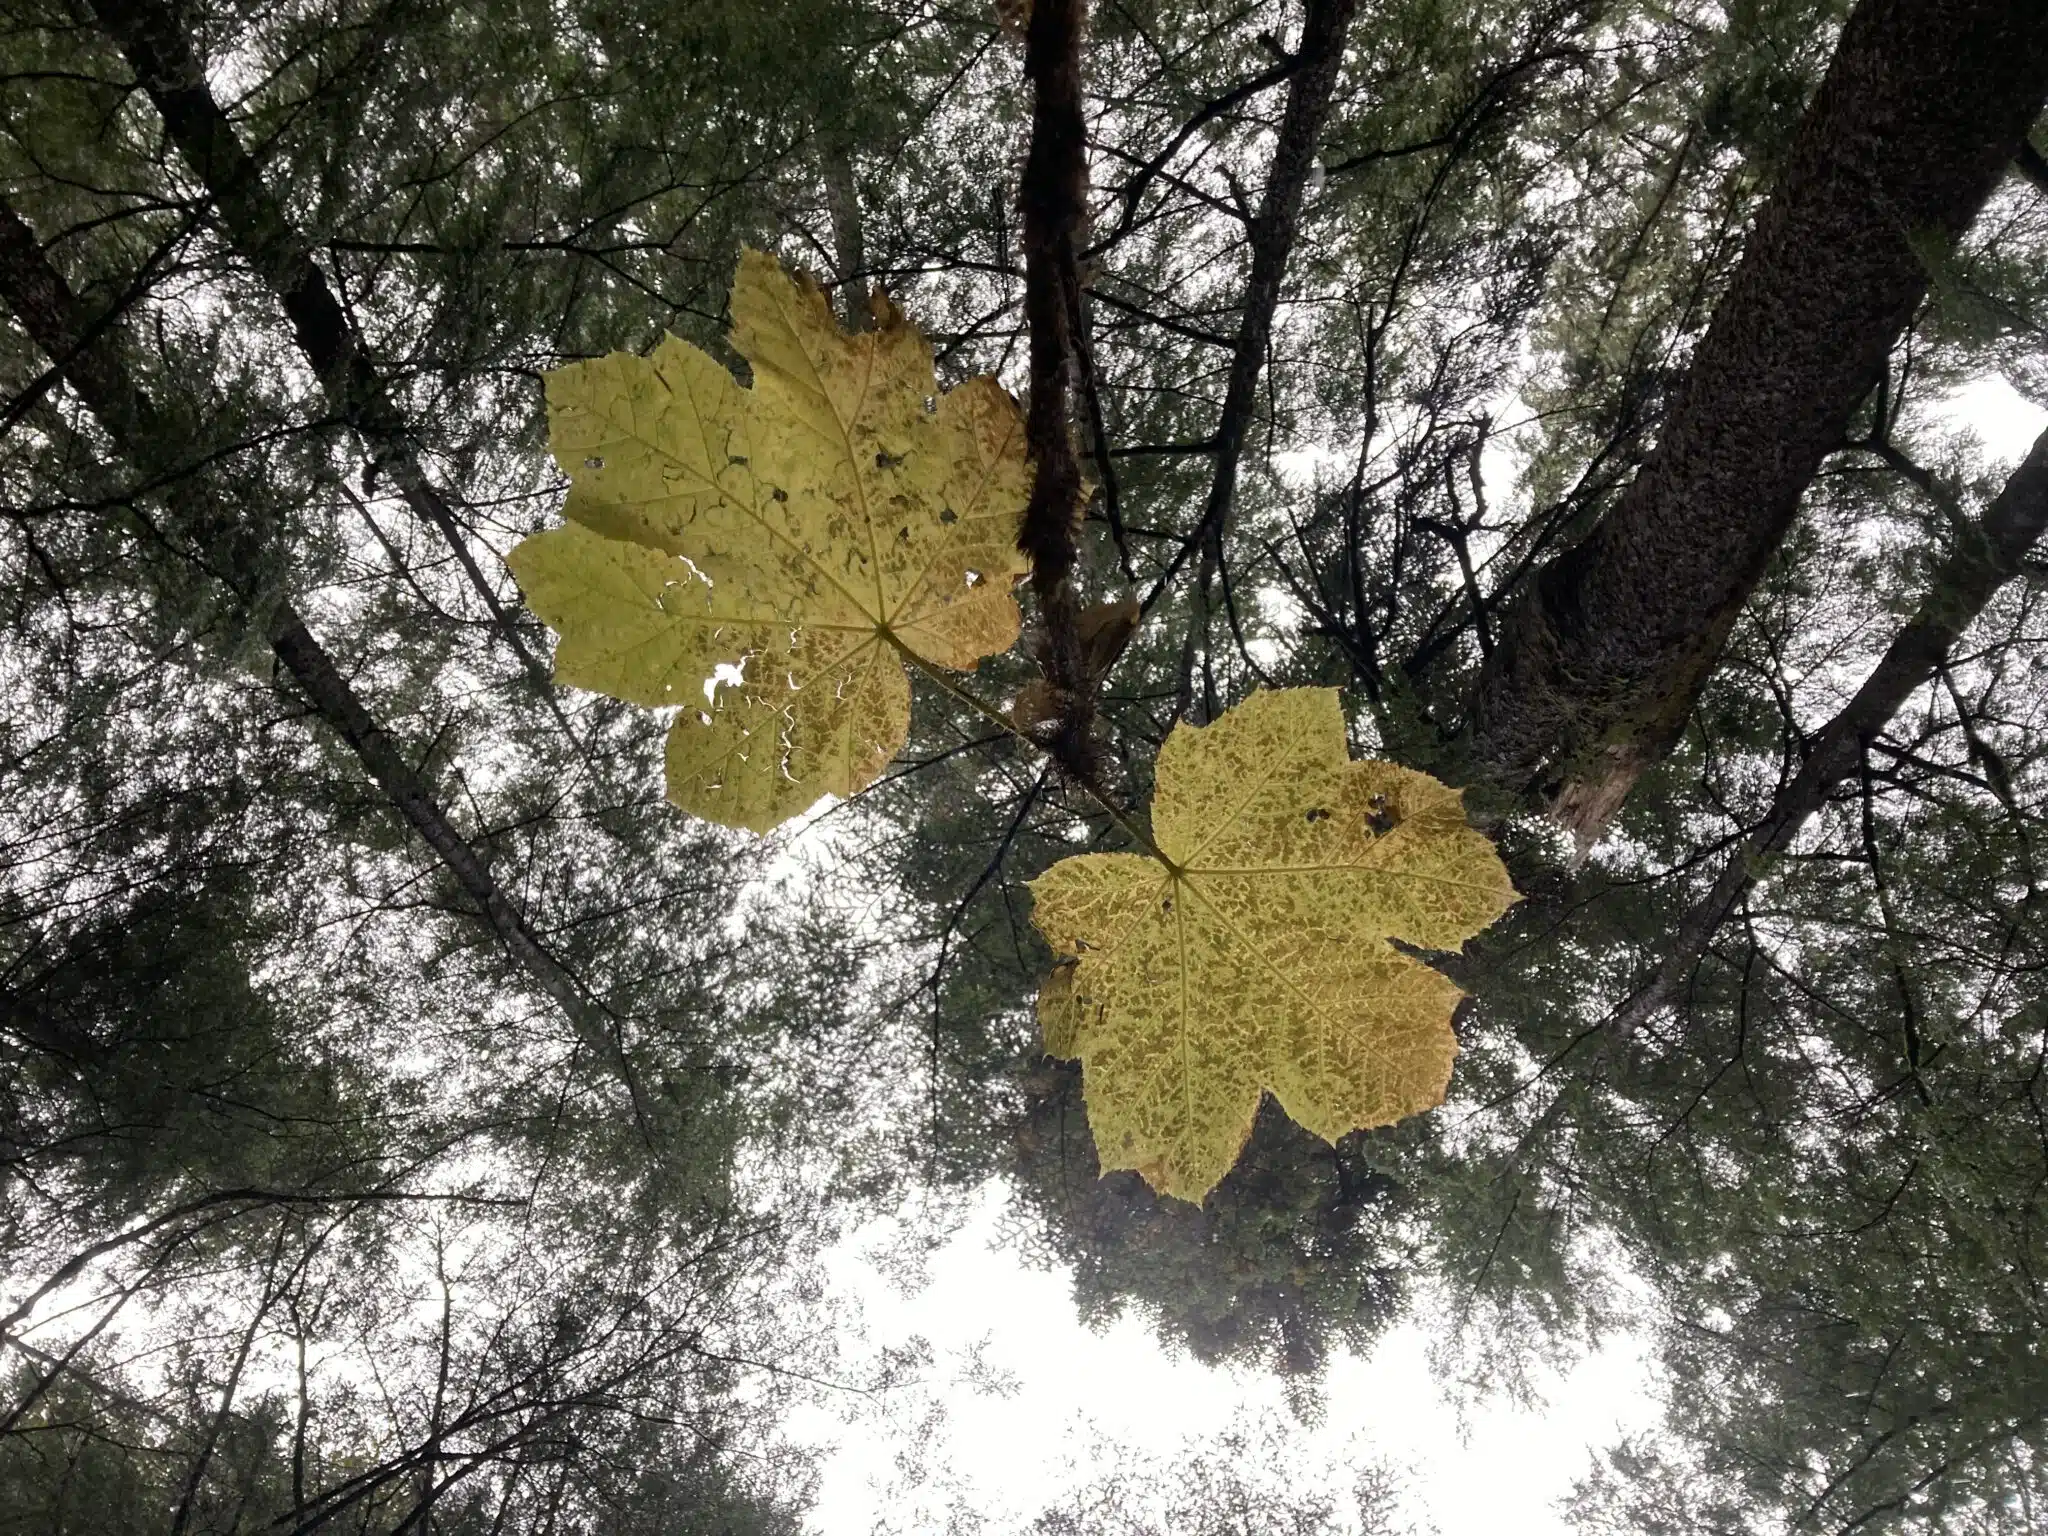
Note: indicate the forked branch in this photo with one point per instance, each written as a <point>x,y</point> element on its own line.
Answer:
<point>57,321</point>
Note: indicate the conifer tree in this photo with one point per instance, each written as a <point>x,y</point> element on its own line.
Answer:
<point>408,1121</point>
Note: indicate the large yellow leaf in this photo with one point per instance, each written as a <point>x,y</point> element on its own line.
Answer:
<point>809,531</point>
<point>1254,955</point>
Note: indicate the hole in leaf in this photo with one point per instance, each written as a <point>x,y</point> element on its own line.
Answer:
<point>1318,814</point>
<point>974,578</point>
<point>948,515</point>
<point>593,463</point>
<point>780,494</point>
<point>726,674</point>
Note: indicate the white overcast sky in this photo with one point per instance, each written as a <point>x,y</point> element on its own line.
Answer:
<point>1007,1453</point>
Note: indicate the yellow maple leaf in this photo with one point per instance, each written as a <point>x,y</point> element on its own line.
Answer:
<point>813,531</point>
<point>1253,954</point>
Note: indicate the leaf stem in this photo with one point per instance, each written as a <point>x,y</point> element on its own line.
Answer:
<point>996,717</point>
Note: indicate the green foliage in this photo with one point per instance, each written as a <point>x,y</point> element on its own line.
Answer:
<point>1298,1252</point>
<point>1246,1482</point>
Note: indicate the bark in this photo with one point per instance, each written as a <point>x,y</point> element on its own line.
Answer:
<point>153,39</point>
<point>1602,655</point>
<point>1987,557</point>
<point>849,249</point>
<point>56,321</point>
<point>1053,192</point>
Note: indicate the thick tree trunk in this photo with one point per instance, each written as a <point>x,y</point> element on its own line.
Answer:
<point>1982,562</point>
<point>1054,194</point>
<point>849,247</point>
<point>1603,654</point>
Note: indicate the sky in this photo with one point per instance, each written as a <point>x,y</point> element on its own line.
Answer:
<point>2004,421</point>
<point>1026,1388</point>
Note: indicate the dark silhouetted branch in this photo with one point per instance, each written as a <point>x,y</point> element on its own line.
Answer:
<point>168,69</point>
<point>56,321</point>
<point>1273,231</point>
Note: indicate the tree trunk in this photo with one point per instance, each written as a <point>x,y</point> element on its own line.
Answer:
<point>1319,58</point>
<point>55,320</point>
<point>1985,558</point>
<point>1602,655</point>
<point>849,248</point>
<point>152,37</point>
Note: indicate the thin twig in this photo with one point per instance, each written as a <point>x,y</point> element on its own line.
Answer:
<point>1273,231</point>
<point>1093,787</point>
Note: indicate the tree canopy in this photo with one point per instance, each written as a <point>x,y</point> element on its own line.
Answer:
<point>411,1121</point>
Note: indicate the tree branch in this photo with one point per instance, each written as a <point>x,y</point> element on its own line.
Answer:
<point>152,38</point>
<point>56,321</point>
<point>1991,554</point>
<point>1273,231</point>
<point>1134,190</point>
<point>2033,166</point>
